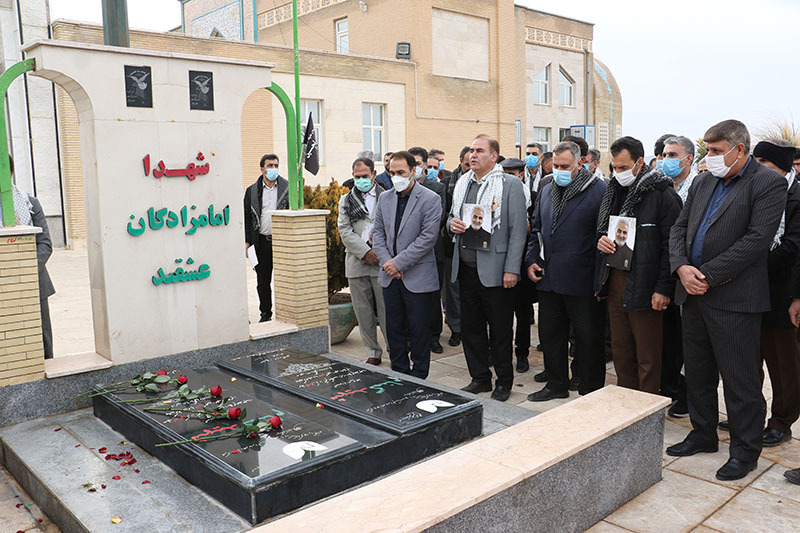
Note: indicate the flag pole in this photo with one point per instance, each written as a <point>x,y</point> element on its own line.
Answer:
<point>299,146</point>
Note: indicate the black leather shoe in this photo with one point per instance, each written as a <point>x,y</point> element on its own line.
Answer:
<point>501,393</point>
<point>735,469</point>
<point>793,476</point>
<point>522,364</point>
<point>478,386</point>
<point>690,447</point>
<point>435,346</point>
<point>724,425</point>
<point>539,348</point>
<point>574,383</point>
<point>774,437</point>
<point>547,394</point>
<point>455,339</point>
<point>541,377</point>
<point>265,318</point>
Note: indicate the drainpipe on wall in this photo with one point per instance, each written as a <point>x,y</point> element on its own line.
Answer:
<point>586,84</point>
<point>255,23</point>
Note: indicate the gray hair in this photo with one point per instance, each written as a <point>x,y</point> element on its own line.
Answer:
<point>369,154</point>
<point>779,142</point>
<point>686,142</point>
<point>568,146</point>
<point>595,154</point>
<point>536,145</point>
<point>731,131</point>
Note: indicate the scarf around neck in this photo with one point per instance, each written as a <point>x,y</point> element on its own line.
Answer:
<point>490,192</point>
<point>356,206</point>
<point>646,182</point>
<point>562,195</point>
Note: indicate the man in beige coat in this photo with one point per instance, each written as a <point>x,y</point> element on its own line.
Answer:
<point>356,217</point>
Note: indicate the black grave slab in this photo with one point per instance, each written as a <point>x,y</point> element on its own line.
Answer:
<point>393,404</point>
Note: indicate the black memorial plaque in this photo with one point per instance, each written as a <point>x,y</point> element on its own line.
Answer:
<point>396,405</point>
<point>201,90</point>
<point>138,86</point>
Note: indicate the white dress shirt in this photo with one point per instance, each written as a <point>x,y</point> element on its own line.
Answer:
<point>269,202</point>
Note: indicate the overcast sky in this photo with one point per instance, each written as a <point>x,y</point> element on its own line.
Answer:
<point>681,65</point>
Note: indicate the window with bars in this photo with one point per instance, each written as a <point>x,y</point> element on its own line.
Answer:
<point>373,127</point>
<point>315,108</point>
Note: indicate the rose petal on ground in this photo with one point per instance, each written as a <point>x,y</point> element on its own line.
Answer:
<point>235,451</point>
<point>136,470</point>
<point>116,520</point>
<point>132,461</point>
<point>233,379</point>
<point>145,482</point>
<point>58,429</point>
<point>102,486</point>
<point>102,450</point>
<point>122,442</point>
<point>115,477</point>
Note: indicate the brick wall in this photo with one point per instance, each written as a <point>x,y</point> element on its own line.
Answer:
<point>21,350</point>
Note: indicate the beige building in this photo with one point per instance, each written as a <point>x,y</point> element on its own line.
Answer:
<point>475,66</point>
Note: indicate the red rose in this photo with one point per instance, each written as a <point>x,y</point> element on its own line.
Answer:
<point>161,373</point>
<point>182,379</point>
<point>216,391</point>
<point>253,435</point>
<point>275,421</point>
<point>234,413</point>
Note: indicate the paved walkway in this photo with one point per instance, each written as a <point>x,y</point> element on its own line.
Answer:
<point>688,498</point>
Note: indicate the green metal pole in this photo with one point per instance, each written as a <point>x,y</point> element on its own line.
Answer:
<point>298,120</point>
<point>295,191</point>
<point>115,23</point>
<point>6,191</point>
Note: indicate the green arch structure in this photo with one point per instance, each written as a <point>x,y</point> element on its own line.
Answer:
<point>292,149</point>
<point>6,192</point>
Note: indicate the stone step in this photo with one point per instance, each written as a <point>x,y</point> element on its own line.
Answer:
<point>53,465</point>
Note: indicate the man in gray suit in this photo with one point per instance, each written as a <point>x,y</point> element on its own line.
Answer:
<point>406,227</point>
<point>487,277</point>
<point>356,218</point>
<point>718,248</point>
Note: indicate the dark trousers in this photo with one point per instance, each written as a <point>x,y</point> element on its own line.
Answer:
<point>481,307</point>
<point>523,296</point>
<point>451,298</point>
<point>635,340</point>
<point>436,306</point>
<point>726,343</point>
<point>556,313</point>
<point>408,313</point>
<point>673,384</point>
<point>781,351</point>
<point>47,330</point>
<point>264,276</point>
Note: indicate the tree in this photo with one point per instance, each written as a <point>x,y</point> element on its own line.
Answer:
<point>780,129</point>
<point>701,150</point>
<point>328,198</point>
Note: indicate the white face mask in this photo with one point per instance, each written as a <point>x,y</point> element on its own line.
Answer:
<point>716,164</point>
<point>400,183</point>
<point>418,172</point>
<point>626,177</point>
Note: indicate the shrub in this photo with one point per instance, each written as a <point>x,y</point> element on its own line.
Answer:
<point>328,198</point>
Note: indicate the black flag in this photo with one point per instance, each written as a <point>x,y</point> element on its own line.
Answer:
<point>310,147</point>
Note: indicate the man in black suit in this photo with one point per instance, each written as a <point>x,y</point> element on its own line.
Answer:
<point>268,193</point>
<point>426,174</point>
<point>718,248</point>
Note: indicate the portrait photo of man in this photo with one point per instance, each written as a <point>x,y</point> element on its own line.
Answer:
<point>624,235</point>
<point>478,234</point>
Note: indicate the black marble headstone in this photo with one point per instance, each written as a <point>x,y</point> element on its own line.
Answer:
<point>396,405</point>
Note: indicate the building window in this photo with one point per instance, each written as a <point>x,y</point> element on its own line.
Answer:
<point>342,40</point>
<point>566,89</point>
<point>216,33</point>
<point>542,136</point>
<point>373,134</point>
<point>315,108</point>
<point>602,136</point>
<point>562,132</point>
<point>541,85</point>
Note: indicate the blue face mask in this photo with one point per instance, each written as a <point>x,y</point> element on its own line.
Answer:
<point>531,160</point>
<point>586,166</point>
<point>432,174</point>
<point>441,165</point>
<point>562,177</point>
<point>671,167</point>
<point>272,174</point>
<point>363,184</point>
<point>660,165</point>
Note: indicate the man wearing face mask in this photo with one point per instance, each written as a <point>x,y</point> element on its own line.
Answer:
<point>406,227</point>
<point>533,166</point>
<point>355,223</point>
<point>487,277</point>
<point>636,297</point>
<point>427,172</point>
<point>678,165</point>
<point>268,193</point>
<point>444,174</point>
<point>658,150</point>
<point>779,345</point>
<point>718,248</point>
<point>561,259</point>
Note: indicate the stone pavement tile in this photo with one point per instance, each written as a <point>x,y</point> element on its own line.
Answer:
<point>754,511</point>
<point>787,454</point>
<point>676,503</point>
<point>772,481</point>
<point>440,370</point>
<point>705,466</point>
<point>722,435</point>
<point>605,527</point>
<point>455,360</point>
<point>673,432</point>
<point>541,407</point>
<point>5,488</point>
<point>704,529</point>
<point>13,518</point>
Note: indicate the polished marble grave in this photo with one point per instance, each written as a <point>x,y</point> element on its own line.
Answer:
<point>342,425</point>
